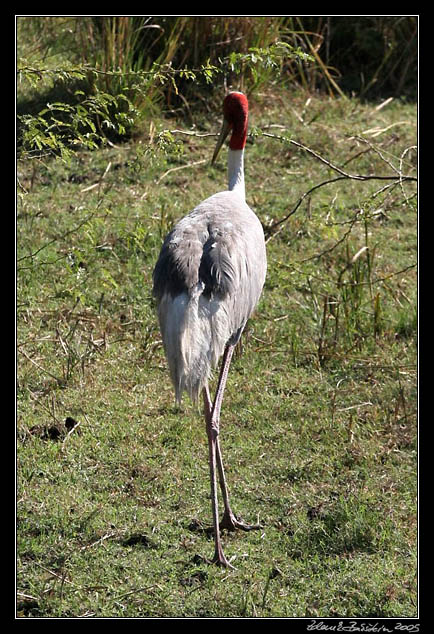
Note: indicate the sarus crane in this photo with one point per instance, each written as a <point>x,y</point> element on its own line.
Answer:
<point>207,282</point>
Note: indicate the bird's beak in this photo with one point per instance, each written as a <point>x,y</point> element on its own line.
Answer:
<point>222,136</point>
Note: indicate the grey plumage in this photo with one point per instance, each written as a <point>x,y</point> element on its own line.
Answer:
<point>207,282</point>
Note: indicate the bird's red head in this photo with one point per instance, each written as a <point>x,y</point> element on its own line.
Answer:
<point>235,111</point>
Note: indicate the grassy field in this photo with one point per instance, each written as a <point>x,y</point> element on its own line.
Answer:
<point>319,419</point>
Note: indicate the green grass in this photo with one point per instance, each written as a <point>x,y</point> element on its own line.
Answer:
<point>319,418</point>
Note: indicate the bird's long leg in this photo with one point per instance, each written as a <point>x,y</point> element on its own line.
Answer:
<point>222,478</point>
<point>219,556</point>
<point>229,521</point>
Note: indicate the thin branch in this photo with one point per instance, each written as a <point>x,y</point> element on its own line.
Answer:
<point>332,248</point>
<point>180,167</point>
<point>61,237</point>
<point>358,177</point>
<point>319,278</point>
<point>157,70</point>
<point>53,376</point>
<point>192,133</point>
<point>98,183</point>
<point>270,231</point>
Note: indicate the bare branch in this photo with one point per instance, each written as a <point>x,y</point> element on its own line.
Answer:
<point>180,167</point>
<point>272,228</point>
<point>47,244</point>
<point>398,177</point>
<point>358,177</point>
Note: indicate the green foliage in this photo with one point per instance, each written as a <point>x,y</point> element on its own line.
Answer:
<point>60,127</point>
<point>265,64</point>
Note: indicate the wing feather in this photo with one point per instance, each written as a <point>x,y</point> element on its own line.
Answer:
<point>207,282</point>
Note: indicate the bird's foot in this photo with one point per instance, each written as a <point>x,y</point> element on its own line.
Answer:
<point>220,559</point>
<point>231,523</point>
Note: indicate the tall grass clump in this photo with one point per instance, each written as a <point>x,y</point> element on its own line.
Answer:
<point>365,54</point>
<point>194,42</point>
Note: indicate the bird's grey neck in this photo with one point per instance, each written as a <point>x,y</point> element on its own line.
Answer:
<point>236,172</point>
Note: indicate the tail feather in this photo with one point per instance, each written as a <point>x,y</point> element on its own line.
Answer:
<point>195,330</point>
